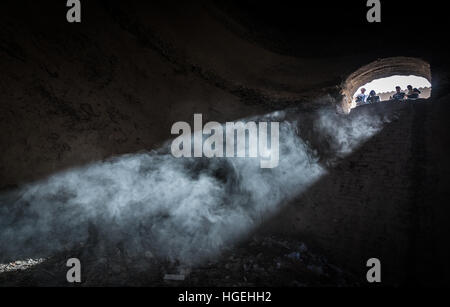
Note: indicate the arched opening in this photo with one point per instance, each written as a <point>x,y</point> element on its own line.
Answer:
<point>384,75</point>
<point>384,89</point>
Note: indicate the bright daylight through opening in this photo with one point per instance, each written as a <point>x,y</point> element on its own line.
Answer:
<point>385,88</point>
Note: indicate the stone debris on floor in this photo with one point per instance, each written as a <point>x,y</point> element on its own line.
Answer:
<point>260,261</point>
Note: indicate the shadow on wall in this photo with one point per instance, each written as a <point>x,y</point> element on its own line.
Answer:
<point>425,94</point>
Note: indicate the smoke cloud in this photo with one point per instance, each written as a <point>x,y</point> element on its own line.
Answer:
<point>181,209</point>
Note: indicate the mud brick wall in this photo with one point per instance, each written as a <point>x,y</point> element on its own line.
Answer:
<point>386,200</point>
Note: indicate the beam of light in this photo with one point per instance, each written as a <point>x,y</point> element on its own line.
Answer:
<point>181,209</point>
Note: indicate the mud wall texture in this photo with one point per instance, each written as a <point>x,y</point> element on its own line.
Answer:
<point>114,84</point>
<point>387,200</point>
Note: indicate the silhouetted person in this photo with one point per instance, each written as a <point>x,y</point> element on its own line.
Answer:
<point>373,97</point>
<point>361,97</point>
<point>412,93</point>
<point>399,95</point>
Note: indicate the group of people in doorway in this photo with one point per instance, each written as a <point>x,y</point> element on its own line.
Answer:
<point>411,93</point>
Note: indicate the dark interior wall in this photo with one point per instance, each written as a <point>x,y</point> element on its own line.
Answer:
<point>386,200</point>
<point>75,93</point>
<point>72,94</point>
